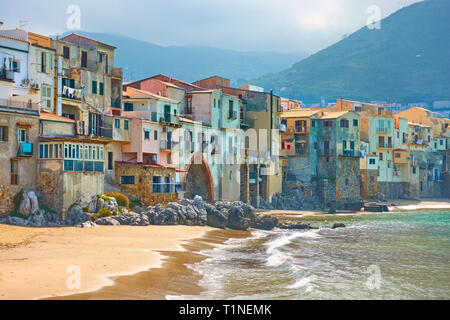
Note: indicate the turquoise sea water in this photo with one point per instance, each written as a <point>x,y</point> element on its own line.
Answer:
<point>381,256</point>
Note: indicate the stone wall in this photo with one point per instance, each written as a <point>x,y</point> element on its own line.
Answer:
<point>6,200</point>
<point>142,189</point>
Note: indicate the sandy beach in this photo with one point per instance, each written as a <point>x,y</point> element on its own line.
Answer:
<point>39,263</point>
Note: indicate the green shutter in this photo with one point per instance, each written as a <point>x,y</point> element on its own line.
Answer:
<point>94,87</point>
<point>102,88</point>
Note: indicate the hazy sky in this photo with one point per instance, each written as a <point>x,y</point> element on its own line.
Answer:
<point>270,25</point>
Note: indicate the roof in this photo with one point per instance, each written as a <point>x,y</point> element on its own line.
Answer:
<point>299,113</point>
<point>190,120</point>
<point>203,91</point>
<point>53,117</point>
<point>150,95</point>
<point>334,115</point>
<point>12,38</point>
<point>79,35</point>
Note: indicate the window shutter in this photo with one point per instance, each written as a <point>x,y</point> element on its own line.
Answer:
<point>38,60</point>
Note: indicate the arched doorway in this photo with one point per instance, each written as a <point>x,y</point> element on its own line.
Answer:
<point>198,180</point>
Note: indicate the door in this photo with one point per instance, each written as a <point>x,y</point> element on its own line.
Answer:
<point>110,161</point>
<point>167,113</point>
<point>84,59</point>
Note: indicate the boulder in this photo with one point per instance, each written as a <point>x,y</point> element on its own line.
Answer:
<point>37,220</point>
<point>29,204</point>
<point>77,216</point>
<point>338,225</point>
<point>108,221</point>
<point>132,219</point>
<point>103,202</point>
<point>87,224</point>
<point>295,226</point>
<point>265,223</point>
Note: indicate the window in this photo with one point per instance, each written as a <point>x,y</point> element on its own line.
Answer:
<point>328,124</point>
<point>155,135</point>
<point>156,185</point>
<point>125,124</point>
<point>372,161</point>
<point>128,106</point>
<point>14,172</point>
<point>355,122</point>
<point>83,59</point>
<point>94,87</point>
<point>46,96</point>
<point>110,161</point>
<point>313,123</point>
<point>147,133</point>
<point>381,156</point>
<point>414,170</point>
<point>397,155</point>
<point>14,65</point>
<point>4,134</point>
<point>441,142</point>
<point>66,52</point>
<point>344,123</point>
<point>127,179</point>
<point>117,123</point>
<point>102,88</point>
<point>23,135</point>
<point>188,104</point>
<point>231,109</point>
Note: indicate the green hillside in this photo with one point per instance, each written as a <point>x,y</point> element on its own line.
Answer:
<point>407,60</point>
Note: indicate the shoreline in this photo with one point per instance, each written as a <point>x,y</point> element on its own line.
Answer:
<point>124,262</point>
<point>35,261</point>
<point>174,278</point>
<point>393,205</point>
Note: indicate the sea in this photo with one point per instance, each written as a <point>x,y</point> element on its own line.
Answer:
<point>397,255</point>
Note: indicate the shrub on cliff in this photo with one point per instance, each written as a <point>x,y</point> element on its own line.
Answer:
<point>104,213</point>
<point>122,200</point>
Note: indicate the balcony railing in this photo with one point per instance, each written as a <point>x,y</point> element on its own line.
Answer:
<point>384,145</point>
<point>382,129</point>
<point>350,153</point>
<point>326,152</point>
<point>9,103</point>
<point>296,130</point>
<point>165,145</point>
<point>25,149</point>
<point>167,118</point>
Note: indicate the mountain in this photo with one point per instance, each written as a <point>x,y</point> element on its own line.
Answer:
<point>191,63</point>
<point>407,60</point>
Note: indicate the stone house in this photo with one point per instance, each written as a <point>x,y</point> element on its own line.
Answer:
<point>338,169</point>
<point>19,130</point>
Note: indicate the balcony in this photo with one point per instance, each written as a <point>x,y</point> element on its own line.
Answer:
<point>382,130</point>
<point>168,119</point>
<point>72,94</point>
<point>232,115</point>
<point>384,145</point>
<point>350,153</point>
<point>165,145</point>
<point>25,149</point>
<point>291,130</point>
<point>15,104</point>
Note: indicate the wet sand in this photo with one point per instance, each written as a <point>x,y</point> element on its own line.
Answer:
<point>174,278</point>
<point>35,262</point>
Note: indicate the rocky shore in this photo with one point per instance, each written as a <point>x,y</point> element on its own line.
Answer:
<point>103,210</point>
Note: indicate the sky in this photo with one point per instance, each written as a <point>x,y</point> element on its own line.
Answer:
<point>247,25</point>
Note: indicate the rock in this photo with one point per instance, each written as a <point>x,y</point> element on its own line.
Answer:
<point>29,204</point>
<point>108,221</point>
<point>87,224</point>
<point>295,226</point>
<point>265,223</point>
<point>132,219</point>
<point>37,220</point>
<point>16,221</point>
<point>338,225</point>
<point>77,216</point>
<point>138,209</point>
<point>103,202</point>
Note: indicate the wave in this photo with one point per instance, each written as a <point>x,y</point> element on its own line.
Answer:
<point>302,283</point>
<point>277,258</point>
<point>287,239</point>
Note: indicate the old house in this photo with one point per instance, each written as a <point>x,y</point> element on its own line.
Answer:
<point>19,129</point>
<point>338,168</point>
